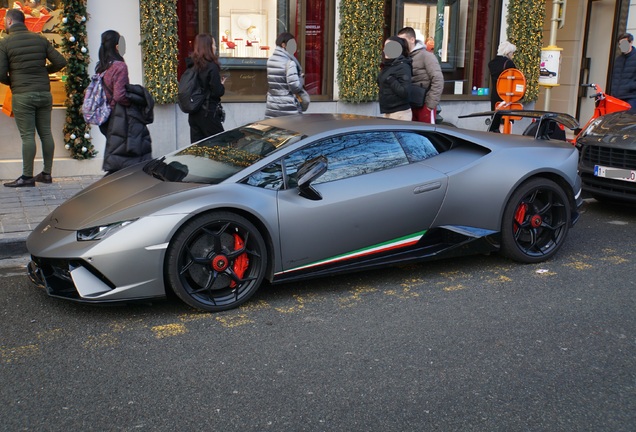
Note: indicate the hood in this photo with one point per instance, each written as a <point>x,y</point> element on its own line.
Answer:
<point>120,196</point>
<point>611,130</point>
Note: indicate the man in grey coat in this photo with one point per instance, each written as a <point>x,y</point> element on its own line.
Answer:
<point>427,73</point>
<point>285,79</point>
<point>23,66</point>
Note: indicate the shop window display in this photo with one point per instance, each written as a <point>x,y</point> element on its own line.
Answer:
<point>40,17</point>
<point>465,39</point>
<point>245,32</point>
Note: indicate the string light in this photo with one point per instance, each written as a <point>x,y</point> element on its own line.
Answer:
<point>525,31</point>
<point>77,138</point>
<point>359,49</point>
<point>159,44</point>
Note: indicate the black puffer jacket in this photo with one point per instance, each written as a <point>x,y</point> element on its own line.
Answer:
<point>23,56</point>
<point>128,140</point>
<point>394,81</point>
<point>624,76</point>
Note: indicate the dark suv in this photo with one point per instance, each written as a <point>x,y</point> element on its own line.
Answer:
<point>607,159</point>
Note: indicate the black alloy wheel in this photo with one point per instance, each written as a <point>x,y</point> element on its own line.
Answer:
<point>216,261</point>
<point>535,222</point>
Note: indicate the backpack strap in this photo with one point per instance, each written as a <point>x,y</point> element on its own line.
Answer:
<point>106,88</point>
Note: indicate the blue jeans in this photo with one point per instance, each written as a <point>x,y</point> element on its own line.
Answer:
<point>32,113</point>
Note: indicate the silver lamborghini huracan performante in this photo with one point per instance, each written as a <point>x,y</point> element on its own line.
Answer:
<point>304,196</point>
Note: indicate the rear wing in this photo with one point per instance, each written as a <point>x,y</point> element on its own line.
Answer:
<point>547,120</point>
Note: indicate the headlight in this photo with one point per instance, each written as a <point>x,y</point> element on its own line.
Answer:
<point>99,232</point>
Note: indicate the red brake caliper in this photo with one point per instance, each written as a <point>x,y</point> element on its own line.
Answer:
<point>520,215</point>
<point>242,262</point>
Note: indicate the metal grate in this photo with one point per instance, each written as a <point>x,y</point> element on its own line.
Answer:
<point>609,157</point>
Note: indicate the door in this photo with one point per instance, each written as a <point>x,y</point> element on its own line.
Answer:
<point>597,56</point>
<point>373,198</point>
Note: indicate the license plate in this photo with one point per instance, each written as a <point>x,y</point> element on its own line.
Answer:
<point>615,173</point>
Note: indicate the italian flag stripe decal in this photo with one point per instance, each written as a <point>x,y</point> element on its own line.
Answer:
<point>401,242</point>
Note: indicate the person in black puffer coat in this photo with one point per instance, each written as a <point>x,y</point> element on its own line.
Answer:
<point>624,72</point>
<point>128,140</point>
<point>394,80</point>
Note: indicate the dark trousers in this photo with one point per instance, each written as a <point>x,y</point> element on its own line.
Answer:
<point>204,123</point>
<point>32,113</point>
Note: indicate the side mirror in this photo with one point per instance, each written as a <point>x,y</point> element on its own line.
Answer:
<point>307,173</point>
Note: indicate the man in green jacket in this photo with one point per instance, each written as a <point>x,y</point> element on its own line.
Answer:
<point>23,66</point>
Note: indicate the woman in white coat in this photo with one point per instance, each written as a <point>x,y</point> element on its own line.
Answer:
<point>285,80</point>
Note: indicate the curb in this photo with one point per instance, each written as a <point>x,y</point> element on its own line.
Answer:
<point>13,247</point>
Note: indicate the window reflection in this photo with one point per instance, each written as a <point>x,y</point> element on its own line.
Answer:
<point>270,177</point>
<point>417,147</point>
<point>217,158</point>
<point>349,155</point>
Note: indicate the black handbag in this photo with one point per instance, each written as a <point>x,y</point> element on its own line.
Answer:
<point>220,112</point>
<point>417,95</point>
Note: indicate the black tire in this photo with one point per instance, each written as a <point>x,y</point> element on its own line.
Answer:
<point>535,222</point>
<point>216,261</point>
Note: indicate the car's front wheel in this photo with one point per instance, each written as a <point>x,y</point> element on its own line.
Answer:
<point>535,221</point>
<point>216,261</point>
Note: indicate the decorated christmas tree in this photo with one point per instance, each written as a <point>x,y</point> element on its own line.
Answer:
<point>77,134</point>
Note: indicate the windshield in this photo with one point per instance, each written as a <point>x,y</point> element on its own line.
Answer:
<point>221,156</point>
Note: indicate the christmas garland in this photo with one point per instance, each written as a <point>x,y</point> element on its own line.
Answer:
<point>77,134</point>
<point>160,50</point>
<point>525,31</point>
<point>359,49</point>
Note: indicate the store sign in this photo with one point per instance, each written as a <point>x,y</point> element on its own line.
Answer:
<point>550,66</point>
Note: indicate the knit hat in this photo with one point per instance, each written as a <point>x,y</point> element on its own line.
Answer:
<point>506,48</point>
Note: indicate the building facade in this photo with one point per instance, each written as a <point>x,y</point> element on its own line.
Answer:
<point>246,30</point>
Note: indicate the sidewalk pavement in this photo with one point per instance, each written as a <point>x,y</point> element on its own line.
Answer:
<point>22,209</point>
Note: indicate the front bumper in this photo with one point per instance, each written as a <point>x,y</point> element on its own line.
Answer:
<point>76,280</point>
<point>609,188</point>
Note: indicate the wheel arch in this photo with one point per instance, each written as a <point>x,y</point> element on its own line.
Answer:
<point>555,177</point>
<point>256,221</point>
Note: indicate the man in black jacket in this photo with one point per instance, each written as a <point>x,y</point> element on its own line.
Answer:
<point>23,66</point>
<point>624,72</point>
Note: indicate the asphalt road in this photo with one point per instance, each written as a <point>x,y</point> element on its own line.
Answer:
<point>470,344</point>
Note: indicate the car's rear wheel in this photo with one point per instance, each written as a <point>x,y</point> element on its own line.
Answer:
<point>216,261</point>
<point>535,221</point>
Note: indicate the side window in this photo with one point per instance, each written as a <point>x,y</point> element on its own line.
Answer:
<point>417,147</point>
<point>270,177</point>
<point>349,155</point>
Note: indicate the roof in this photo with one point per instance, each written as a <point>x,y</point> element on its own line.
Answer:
<point>313,124</point>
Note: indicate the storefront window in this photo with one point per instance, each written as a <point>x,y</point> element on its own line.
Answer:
<point>40,17</point>
<point>246,32</point>
<point>466,38</point>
